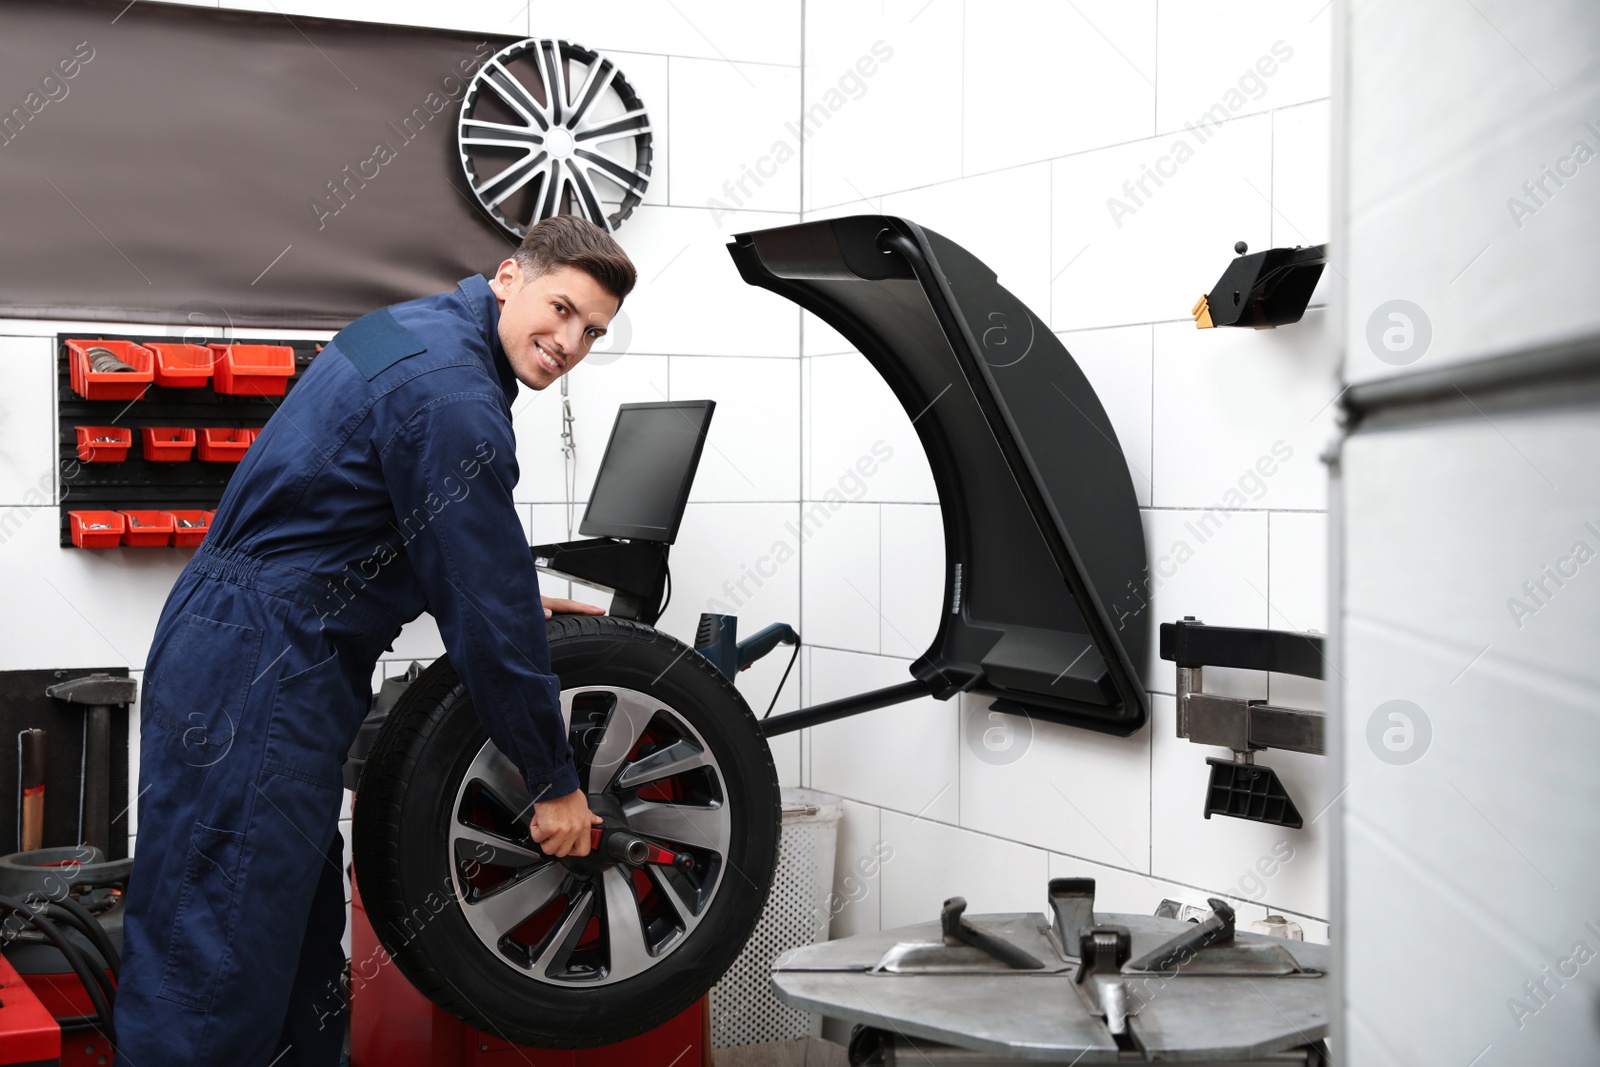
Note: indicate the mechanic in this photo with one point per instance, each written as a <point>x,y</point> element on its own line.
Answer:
<point>380,488</point>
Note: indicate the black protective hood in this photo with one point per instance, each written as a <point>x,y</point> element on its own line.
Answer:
<point>1046,601</point>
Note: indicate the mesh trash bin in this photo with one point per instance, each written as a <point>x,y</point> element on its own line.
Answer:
<point>744,1010</point>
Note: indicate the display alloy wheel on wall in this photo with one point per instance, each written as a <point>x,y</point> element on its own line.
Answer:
<point>571,953</point>
<point>552,128</point>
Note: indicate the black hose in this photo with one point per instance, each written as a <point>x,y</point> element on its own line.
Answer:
<point>107,986</point>
<point>85,923</point>
<point>74,958</point>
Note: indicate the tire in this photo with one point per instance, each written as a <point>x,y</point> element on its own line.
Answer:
<point>570,953</point>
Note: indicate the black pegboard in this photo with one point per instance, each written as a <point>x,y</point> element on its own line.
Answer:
<point>137,482</point>
<point>23,706</point>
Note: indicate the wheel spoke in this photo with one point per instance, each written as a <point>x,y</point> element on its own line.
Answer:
<point>664,886</point>
<point>514,177</point>
<point>552,72</point>
<point>514,93</point>
<point>476,132</point>
<point>564,938</point>
<point>630,714</point>
<point>625,947</point>
<point>676,758</point>
<point>492,848</point>
<point>503,779</point>
<point>697,827</point>
<point>593,88</point>
<point>632,122</point>
<point>629,178</point>
<point>587,196</point>
<point>502,911</point>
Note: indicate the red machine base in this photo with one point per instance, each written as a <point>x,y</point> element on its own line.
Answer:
<point>393,1025</point>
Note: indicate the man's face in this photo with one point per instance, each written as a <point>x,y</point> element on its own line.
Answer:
<point>548,324</point>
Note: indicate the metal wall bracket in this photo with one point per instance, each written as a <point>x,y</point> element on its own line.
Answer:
<point>1245,727</point>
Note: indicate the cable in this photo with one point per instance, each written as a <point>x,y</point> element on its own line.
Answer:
<point>662,610</point>
<point>79,917</point>
<point>74,958</point>
<point>793,656</point>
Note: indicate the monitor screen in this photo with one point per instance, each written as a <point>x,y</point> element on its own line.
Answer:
<point>647,470</point>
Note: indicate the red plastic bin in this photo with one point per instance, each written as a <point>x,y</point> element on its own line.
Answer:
<point>147,529</point>
<point>252,370</point>
<point>199,524</point>
<point>110,385</point>
<point>182,366</point>
<point>96,529</point>
<point>103,444</point>
<point>167,444</point>
<point>222,445</point>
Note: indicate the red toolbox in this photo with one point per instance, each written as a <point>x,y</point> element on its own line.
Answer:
<point>223,445</point>
<point>103,444</point>
<point>94,384</point>
<point>252,370</point>
<point>189,528</point>
<point>147,529</point>
<point>96,529</point>
<point>182,366</point>
<point>167,444</point>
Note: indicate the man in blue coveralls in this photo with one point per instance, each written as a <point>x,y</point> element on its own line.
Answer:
<point>379,489</point>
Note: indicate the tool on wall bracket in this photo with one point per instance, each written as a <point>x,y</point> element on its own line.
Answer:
<point>1262,289</point>
<point>97,692</point>
<point>1240,787</point>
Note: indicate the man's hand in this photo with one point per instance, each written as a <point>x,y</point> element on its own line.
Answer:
<point>552,605</point>
<point>561,827</point>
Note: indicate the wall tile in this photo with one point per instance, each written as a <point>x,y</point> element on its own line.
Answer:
<point>1208,55</point>
<point>1213,572</point>
<point>1244,412</point>
<point>83,607</point>
<point>994,875</point>
<point>707,29</point>
<point>1061,788</point>
<point>690,299</point>
<point>901,757</point>
<point>733,150</point>
<point>840,583</point>
<point>752,451</point>
<point>857,871</point>
<point>1143,229</point>
<point>28,452</point>
<point>724,561</point>
<point>872,133</point>
<point>1298,572</point>
<point>912,577</point>
<point>1119,364</point>
<point>854,420</point>
<point>1044,80</point>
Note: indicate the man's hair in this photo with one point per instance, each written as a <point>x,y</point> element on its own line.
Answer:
<point>570,241</point>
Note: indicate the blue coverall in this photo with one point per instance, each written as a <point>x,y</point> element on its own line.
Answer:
<point>380,488</point>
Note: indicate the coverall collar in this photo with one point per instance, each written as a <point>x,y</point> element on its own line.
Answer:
<point>484,307</point>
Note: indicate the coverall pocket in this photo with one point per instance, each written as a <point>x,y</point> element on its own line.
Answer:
<point>202,926</point>
<point>200,683</point>
<point>309,713</point>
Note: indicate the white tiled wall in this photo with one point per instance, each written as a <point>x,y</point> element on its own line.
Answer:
<point>1012,128</point>
<point>1029,133</point>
